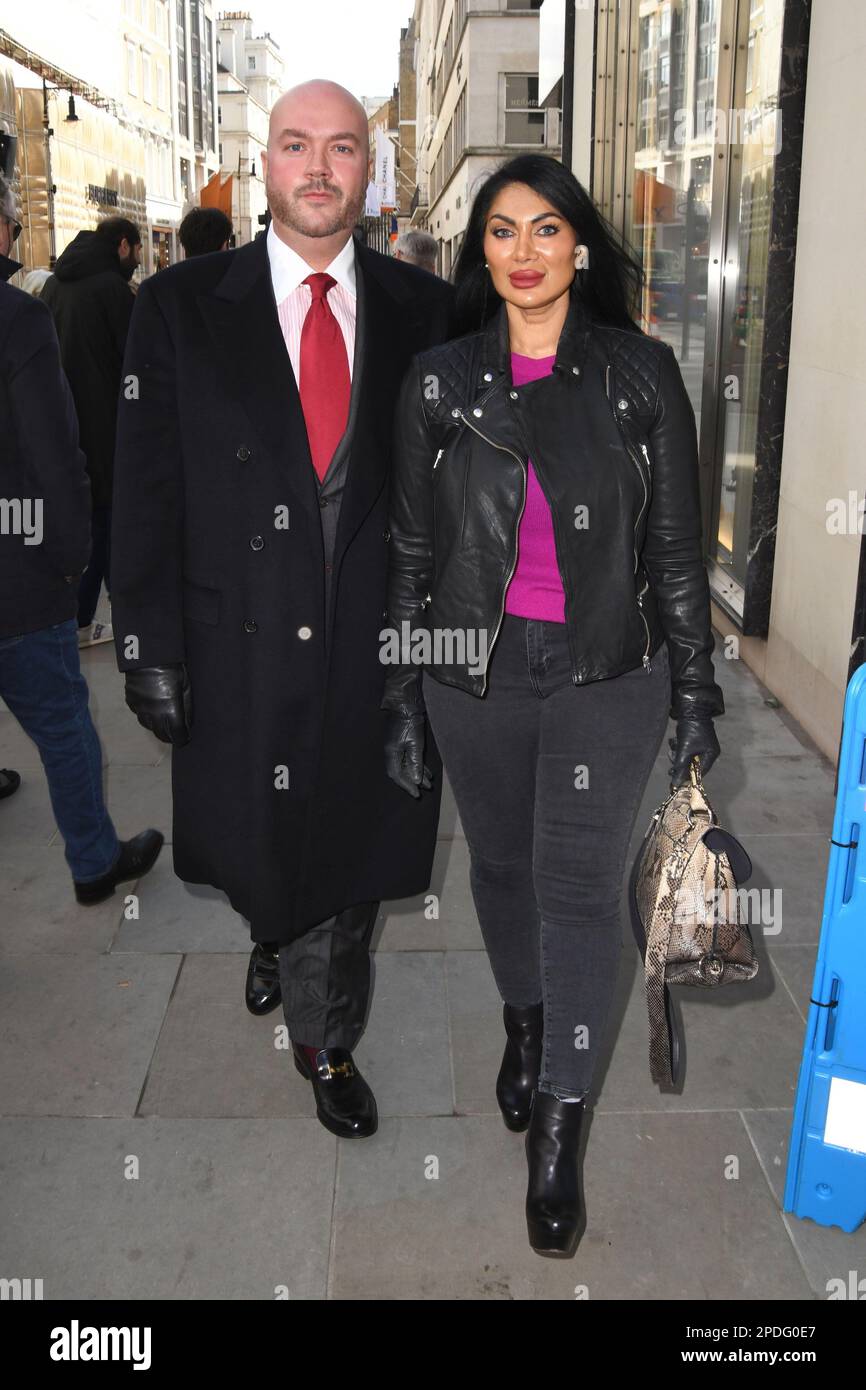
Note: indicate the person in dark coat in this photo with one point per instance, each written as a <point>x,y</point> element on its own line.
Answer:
<point>250,540</point>
<point>44,545</point>
<point>90,297</point>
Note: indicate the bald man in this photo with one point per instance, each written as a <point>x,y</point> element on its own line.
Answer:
<point>250,529</point>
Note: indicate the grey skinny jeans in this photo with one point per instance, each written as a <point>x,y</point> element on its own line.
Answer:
<point>548,778</point>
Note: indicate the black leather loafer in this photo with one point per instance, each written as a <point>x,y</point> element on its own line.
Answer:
<point>521,1063</point>
<point>344,1102</point>
<point>263,993</point>
<point>137,857</point>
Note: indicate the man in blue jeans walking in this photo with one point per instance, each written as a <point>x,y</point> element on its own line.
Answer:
<point>44,546</point>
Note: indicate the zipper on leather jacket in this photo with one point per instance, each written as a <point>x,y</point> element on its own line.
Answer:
<point>523,470</point>
<point>647,664</point>
<point>540,473</point>
<point>646,659</point>
<point>643,506</point>
<point>628,450</point>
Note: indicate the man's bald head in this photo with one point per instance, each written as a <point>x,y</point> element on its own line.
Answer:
<point>323,99</point>
<point>316,167</point>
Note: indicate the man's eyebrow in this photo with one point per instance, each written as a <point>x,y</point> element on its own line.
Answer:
<point>540,218</point>
<point>306,134</point>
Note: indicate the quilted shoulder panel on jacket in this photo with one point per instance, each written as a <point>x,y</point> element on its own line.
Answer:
<point>636,360</point>
<point>448,371</point>
<point>447,374</point>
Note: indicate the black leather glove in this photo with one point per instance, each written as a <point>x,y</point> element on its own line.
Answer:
<point>695,735</point>
<point>161,699</point>
<point>404,752</point>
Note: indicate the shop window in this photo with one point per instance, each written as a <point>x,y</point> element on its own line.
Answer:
<point>695,180</point>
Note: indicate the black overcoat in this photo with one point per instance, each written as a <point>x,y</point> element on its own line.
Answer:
<point>92,304</point>
<point>41,467</point>
<point>218,560</point>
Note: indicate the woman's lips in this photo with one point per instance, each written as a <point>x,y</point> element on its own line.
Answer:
<point>525,277</point>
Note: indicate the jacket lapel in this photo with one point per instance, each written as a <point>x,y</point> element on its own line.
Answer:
<point>388,327</point>
<point>241,316</point>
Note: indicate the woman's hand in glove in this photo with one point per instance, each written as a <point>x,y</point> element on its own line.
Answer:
<point>695,735</point>
<point>404,752</point>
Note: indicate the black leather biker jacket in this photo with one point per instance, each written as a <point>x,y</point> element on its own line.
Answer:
<point>611,434</point>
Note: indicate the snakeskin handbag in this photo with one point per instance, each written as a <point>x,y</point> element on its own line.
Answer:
<point>685,912</point>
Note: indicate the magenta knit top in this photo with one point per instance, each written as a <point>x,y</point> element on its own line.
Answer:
<point>535,590</point>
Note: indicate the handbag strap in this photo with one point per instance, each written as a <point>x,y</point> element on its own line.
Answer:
<point>655,963</point>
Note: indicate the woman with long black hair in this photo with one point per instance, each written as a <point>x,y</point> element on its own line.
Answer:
<point>548,588</point>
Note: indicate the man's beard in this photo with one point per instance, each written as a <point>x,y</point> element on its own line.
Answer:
<point>291,211</point>
<point>128,266</point>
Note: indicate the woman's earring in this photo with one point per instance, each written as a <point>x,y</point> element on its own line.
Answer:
<point>581,258</point>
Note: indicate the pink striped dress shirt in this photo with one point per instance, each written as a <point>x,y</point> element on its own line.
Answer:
<point>288,271</point>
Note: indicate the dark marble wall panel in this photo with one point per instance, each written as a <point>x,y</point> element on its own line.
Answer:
<point>858,628</point>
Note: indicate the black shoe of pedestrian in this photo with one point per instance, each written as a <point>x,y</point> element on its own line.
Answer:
<point>9,782</point>
<point>263,993</point>
<point>344,1102</point>
<point>521,1063</point>
<point>137,857</point>
<point>555,1216</point>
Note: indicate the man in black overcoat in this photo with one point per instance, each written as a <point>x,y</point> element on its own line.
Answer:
<point>249,593</point>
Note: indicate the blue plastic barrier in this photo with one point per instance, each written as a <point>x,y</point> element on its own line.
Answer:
<point>826,1175</point>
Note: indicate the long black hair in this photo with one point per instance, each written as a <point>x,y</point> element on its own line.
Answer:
<point>609,287</point>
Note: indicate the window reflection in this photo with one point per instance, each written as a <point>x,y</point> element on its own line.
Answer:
<point>679,124</point>
<point>678,45</point>
<point>745,284</point>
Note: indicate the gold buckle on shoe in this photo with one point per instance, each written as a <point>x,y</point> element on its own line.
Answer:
<point>341,1069</point>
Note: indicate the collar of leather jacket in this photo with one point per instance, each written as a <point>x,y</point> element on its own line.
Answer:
<point>571,350</point>
<point>470,369</point>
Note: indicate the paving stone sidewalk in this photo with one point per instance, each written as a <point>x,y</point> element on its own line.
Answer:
<point>126,1048</point>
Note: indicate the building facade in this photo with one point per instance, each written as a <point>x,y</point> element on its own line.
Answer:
<point>249,79</point>
<point>115,112</point>
<point>709,134</point>
<point>194,97</point>
<point>476,76</point>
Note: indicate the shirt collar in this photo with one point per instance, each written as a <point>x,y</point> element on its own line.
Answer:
<point>288,269</point>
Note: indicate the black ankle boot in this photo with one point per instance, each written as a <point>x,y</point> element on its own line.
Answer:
<point>521,1062</point>
<point>555,1216</point>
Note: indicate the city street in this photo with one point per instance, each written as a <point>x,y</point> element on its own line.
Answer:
<point>157,1144</point>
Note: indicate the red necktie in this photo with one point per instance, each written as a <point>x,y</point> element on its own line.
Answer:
<point>325,381</point>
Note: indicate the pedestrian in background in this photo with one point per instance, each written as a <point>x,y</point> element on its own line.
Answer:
<point>418,248</point>
<point>89,296</point>
<point>204,230</point>
<point>44,545</point>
